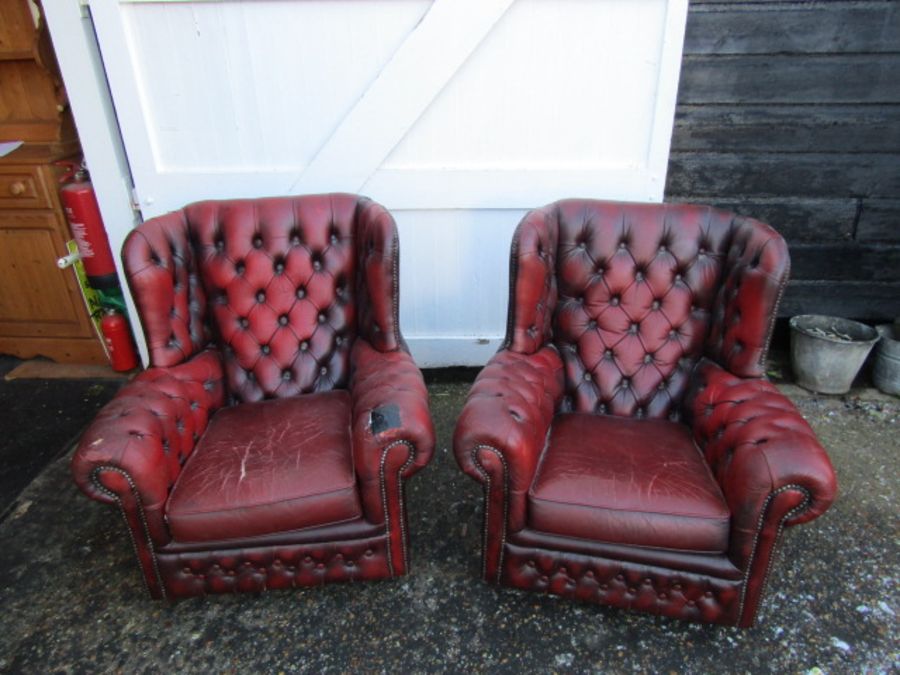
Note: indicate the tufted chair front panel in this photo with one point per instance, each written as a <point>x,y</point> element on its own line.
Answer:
<point>280,276</point>
<point>637,288</point>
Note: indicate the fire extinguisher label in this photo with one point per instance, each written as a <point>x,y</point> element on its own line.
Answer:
<point>79,231</point>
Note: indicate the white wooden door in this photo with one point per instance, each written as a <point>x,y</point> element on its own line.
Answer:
<point>458,115</point>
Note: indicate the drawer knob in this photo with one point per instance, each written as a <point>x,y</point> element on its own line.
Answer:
<point>17,188</point>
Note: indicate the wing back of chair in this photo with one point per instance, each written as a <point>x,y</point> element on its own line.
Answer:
<point>638,293</point>
<point>162,272</point>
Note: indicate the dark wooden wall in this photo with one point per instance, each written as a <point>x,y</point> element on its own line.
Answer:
<point>790,112</point>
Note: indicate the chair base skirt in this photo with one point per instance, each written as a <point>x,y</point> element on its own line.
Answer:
<point>622,584</point>
<point>249,570</point>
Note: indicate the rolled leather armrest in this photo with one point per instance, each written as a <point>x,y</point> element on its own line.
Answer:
<point>390,410</point>
<point>764,455</point>
<point>132,452</point>
<point>509,411</point>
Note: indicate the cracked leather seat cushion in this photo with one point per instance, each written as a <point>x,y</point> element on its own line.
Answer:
<point>625,481</point>
<point>271,466</point>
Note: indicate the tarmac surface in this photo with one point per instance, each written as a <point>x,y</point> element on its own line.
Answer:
<point>73,600</point>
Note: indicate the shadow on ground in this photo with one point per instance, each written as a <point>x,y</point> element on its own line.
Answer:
<point>39,421</point>
<point>73,600</point>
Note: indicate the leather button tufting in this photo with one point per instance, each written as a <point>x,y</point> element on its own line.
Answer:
<point>261,296</point>
<point>301,293</point>
<point>304,346</point>
<point>283,320</point>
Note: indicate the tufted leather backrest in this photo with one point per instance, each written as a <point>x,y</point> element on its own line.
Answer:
<point>275,281</point>
<point>638,293</point>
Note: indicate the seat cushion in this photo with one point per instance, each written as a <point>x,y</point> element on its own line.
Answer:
<point>626,481</point>
<point>265,467</point>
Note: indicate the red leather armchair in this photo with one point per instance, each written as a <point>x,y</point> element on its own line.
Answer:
<point>268,443</point>
<point>632,452</point>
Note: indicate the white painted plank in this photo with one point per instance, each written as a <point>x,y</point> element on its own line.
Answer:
<point>441,351</point>
<point>557,84</point>
<point>506,189</point>
<point>670,47</point>
<point>418,71</point>
<point>80,64</point>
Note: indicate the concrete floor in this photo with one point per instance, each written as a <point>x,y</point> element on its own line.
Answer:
<point>73,602</point>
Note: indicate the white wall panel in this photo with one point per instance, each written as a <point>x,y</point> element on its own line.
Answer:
<point>458,115</point>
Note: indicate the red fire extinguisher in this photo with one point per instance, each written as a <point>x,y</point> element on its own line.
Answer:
<point>83,213</point>
<point>117,337</point>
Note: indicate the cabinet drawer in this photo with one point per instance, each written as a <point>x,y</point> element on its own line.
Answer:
<point>23,187</point>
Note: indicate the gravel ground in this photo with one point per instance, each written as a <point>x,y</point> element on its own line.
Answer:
<point>73,601</point>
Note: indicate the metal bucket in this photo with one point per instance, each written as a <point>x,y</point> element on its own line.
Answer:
<point>886,372</point>
<point>828,351</point>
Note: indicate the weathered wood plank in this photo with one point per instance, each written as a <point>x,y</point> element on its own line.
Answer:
<point>845,262</point>
<point>809,175</point>
<point>879,220</point>
<point>845,78</point>
<point>855,299</point>
<point>800,128</point>
<point>798,220</point>
<point>774,28</point>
